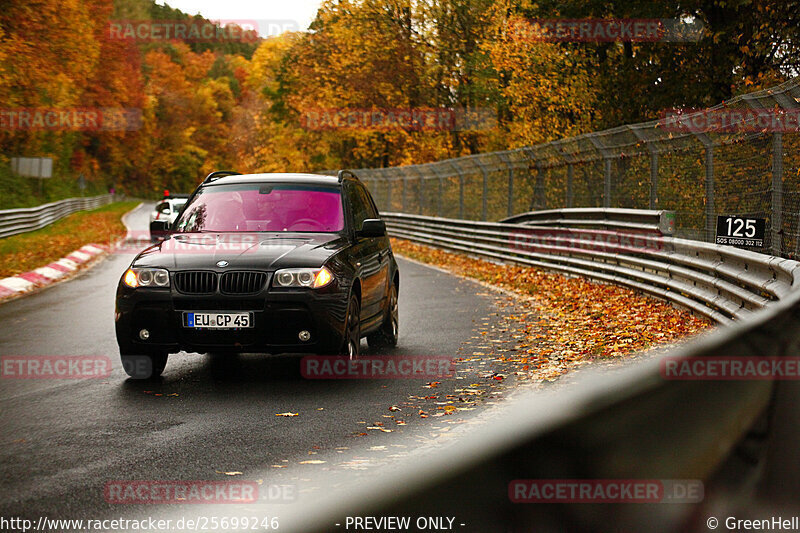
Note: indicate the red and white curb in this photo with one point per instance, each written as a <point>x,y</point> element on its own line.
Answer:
<point>27,281</point>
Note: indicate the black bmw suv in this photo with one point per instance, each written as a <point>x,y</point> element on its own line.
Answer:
<point>264,263</point>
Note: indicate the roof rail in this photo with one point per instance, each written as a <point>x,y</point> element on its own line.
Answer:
<point>344,173</point>
<point>220,174</point>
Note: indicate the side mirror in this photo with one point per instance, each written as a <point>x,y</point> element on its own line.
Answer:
<point>372,227</point>
<point>159,230</point>
<point>165,210</point>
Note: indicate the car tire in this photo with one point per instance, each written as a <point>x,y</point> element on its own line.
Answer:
<point>144,366</point>
<point>387,335</point>
<point>351,344</point>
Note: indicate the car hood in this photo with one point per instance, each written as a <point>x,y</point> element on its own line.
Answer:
<point>258,251</point>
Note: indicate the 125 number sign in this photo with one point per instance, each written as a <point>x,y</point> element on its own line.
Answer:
<point>741,231</point>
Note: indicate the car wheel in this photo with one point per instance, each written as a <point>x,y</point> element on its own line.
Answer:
<point>144,366</point>
<point>388,332</point>
<point>352,336</point>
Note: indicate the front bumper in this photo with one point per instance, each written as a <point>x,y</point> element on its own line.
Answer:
<point>278,316</point>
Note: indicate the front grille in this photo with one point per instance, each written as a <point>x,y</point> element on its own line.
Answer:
<point>242,282</point>
<point>196,282</point>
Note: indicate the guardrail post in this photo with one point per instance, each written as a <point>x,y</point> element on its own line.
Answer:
<point>777,193</point>
<point>570,179</point>
<point>653,179</point>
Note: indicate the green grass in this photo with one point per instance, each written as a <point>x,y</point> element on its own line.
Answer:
<point>27,251</point>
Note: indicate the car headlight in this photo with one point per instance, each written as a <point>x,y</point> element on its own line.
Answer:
<point>302,277</point>
<point>146,277</point>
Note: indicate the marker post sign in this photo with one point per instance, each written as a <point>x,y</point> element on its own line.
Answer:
<point>741,231</point>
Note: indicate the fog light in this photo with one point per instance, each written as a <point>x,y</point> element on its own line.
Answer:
<point>304,335</point>
<point>144,334</point>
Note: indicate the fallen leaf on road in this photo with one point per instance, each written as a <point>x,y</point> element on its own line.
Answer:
<point>287,414</point>
<point>312,462</point>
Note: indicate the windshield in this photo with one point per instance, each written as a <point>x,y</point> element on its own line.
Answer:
<point>264,207</point>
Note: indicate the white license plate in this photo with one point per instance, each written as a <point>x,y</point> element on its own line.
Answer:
<point>213,320</point>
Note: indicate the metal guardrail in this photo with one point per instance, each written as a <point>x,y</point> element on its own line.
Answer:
<point>634,424</point>
<point>662,222</point>
<point>718,282</point>
<point>15,221</point>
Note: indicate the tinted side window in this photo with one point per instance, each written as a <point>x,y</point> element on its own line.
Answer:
<point>372,211</point>
<point>357,205</point>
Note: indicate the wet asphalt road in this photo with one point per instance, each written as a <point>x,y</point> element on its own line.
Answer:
<point>63,440</point>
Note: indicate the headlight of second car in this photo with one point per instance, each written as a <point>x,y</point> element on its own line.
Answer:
<point>146,277</point>
<point>302,277</point>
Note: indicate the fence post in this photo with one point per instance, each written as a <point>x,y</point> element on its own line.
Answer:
<point>389,193</point>
<point>777,193</point>
<point>441,191</point>
<point>460,188</point>
<point>710,207</point>
<point>606,169</point>
<point>570,178</point>
<point>439,198</point>
<point>536,186</point>
<point>711,223</point>
<point>484,204</point>
<point>405,187</point>
<point>421,192</point>
<point>653,179</point>
<point>637,130</point>
<point>510,205</point>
